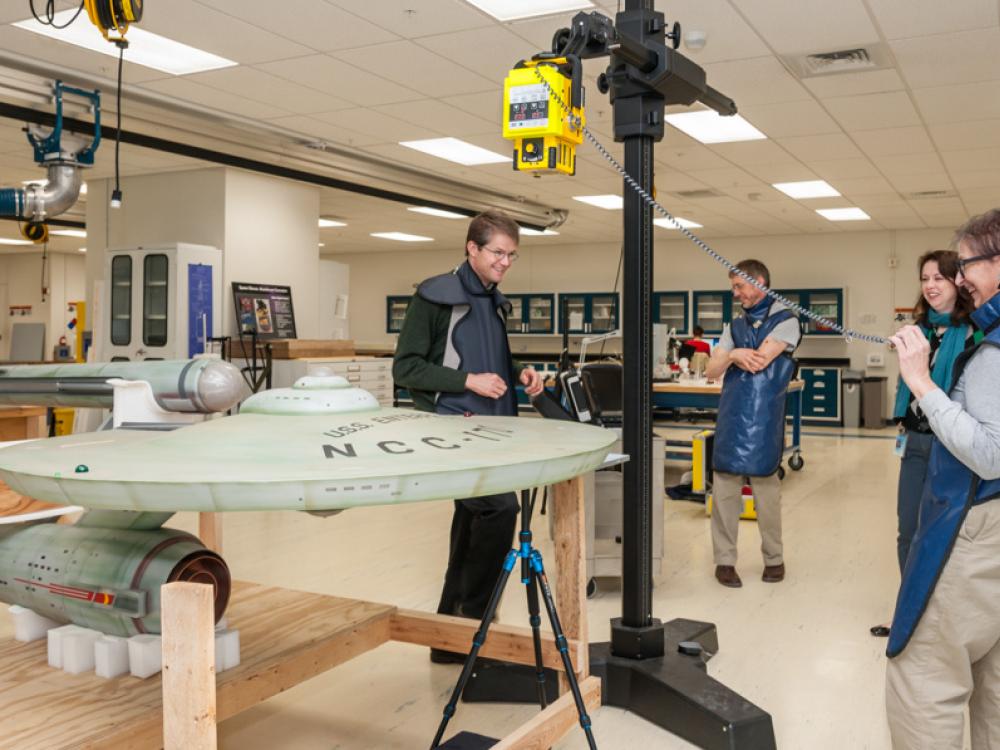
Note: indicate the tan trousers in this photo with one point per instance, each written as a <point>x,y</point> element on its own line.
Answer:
<point>953,658</point>
<point>727,504</point>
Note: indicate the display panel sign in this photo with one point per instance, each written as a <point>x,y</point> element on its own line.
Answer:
<point>265,309</point>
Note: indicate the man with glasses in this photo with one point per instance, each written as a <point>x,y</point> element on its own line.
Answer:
<point>454,357</point>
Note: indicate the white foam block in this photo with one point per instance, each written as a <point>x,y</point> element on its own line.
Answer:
<point>111,656</point>
<point>227,650</point>
<point>29,625</point>
<point>78,651</point>
<point>56,636</point>
<point>145,655</point>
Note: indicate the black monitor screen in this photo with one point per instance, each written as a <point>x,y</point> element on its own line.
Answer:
<point>604,384</point>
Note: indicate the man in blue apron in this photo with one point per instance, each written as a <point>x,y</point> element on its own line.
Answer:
<point>454,357</point>
<point>754,354</point>
<point>944,645</point>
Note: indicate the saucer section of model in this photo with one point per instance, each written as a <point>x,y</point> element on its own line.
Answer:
<point>333,451</point>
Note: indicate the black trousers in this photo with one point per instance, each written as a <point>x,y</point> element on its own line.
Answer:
<point>482,533</point>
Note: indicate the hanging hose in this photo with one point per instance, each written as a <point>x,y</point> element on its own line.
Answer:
<point>576,122</point>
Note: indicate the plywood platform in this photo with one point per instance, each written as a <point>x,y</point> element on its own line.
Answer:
<point>286,638</point>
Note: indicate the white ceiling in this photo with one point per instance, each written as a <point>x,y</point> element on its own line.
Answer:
<point>366,75</point>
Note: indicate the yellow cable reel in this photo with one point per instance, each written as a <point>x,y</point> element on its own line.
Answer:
<point>35,231</point>
<point>113,16</point>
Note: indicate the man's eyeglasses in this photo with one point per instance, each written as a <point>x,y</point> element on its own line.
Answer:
<point>500,254</point>
<point>963,262</point>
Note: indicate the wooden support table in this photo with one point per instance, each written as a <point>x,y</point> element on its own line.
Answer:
<point>22,422</point>
<point>288,637</point>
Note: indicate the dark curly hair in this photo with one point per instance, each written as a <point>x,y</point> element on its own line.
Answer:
<point>947,263</point>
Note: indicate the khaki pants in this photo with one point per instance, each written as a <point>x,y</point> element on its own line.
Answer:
<point>953,658</point>
<point>727,502</point>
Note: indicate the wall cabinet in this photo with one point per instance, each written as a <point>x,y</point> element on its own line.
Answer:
<point>395,311</point>
<point>826,302</point>
<point>671,309</point>
<point>714,310</point>
<point>531,313</point>
<point>588,312</point>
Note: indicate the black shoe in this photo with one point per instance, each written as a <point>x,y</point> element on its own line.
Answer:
<point>440,656</point>
<point>879,631</point>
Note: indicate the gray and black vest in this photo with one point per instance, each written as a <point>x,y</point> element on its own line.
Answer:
<point>477,339</point>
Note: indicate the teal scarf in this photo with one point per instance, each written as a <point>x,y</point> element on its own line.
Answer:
<point>952,344</point>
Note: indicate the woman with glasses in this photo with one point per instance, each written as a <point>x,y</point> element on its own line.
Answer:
<point>942,314</point>
<point>944,646</point>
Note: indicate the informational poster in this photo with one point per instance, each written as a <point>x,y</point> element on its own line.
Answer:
<point>264,308</point>
<point>199,307</point>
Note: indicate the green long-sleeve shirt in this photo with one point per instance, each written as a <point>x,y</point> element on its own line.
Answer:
<point>416,365</point>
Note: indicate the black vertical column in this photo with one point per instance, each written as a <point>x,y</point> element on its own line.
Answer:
<point>637,326</point>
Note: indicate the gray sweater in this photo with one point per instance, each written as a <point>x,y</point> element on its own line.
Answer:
<point>968,423</point>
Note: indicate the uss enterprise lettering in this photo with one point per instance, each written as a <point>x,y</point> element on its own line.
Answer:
<point>474,435</point>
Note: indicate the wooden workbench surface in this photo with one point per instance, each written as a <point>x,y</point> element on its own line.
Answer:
<point>704,387</point>
<point>286,637</point>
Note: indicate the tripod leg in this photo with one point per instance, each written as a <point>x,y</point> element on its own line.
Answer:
<point>574,686</point>
<point>536,637</point>
<point>477,641</point>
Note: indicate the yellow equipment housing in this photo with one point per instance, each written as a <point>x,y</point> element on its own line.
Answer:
<point>545,137</point>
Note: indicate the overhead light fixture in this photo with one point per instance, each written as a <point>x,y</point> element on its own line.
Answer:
<point>83,188</point>
<point>69,232</point>
<point>441,214</point>
<point>145,48</point>
<point>610,202</point>
<point>82,249</point>
<point>807,189</point>
<point>457,151</point>
<point>322,244</point>
<point>401,237</point>
<point>707,126</point>
<point>512,10</point>
<point>327,223</point>
<point>843,214</point>
<point>5,241</point>
<point>535,233</point>
<point>686,223</point>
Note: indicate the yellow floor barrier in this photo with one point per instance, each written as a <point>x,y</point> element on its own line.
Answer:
<point>749,509</point>
<point>64,421</point>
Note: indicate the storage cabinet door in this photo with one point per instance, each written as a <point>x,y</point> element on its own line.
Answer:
<point>540,313</point>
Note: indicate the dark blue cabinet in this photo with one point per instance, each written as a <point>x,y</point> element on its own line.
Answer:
<point>821,394</point>
<point>826,302</point>
<point>395,311</point>
<point>531,313</point>
<point>671,309</point>
<point>588,312</point>
<point>714,310</point>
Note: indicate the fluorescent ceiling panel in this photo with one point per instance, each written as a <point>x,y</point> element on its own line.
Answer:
<point>327,223</point>
<point>145,48</point>
<point>686,223</point>
<point>843,214</point>
<point>710,127</point>
<point>457,151</point>
<point>5,241</point>
<point>436,212</point>
<point>83,249</point>
<point>401,237</point>
<point>807,189</point>
<point>527,231</point>
<point>610,202</point>
<point>511,10</point>
<point>69,232</point>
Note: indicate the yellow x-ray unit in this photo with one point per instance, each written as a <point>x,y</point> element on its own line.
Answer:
<point>545,136</point>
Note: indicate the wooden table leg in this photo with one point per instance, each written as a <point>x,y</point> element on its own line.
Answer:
<point>571,585</point>
<point>210,531</point>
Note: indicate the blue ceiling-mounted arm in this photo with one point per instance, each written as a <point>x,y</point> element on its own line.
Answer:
<point>49,148</point>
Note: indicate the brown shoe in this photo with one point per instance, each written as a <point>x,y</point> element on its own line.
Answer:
<point>727,576</point>
<point>773,573</point>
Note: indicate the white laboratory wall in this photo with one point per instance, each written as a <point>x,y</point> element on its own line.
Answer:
<point>334,299</point>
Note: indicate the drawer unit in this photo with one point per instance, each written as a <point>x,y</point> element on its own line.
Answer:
<point>373,374</point>
<point>821,394</point>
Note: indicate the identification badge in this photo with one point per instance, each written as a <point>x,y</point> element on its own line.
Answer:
<point>900,448</point>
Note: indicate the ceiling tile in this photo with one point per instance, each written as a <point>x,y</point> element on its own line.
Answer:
<point>907,18</point>
<point>410,65</point>
<point>71,57</point>
<point>728,36</point>
<point>873,111</point>
<point>688,159</point>
<point>862,186</point>
<point>910,164</point>
<point>825,147</point>
<point>202,25</point>
<point>340,78</point>
<point>318,25</point>
<point>379,127</point>
<point>960,103</point>
<point>752,153</point>
<point>760,80</point>
<point>788,172</point>
<point>892,141</point>
<point>264,87</point>
<point>443,118</point>
<point>921,183</point>
<point>855,84</point>
<point>945,59</point>
<point>843,168</point>
<point>726,178</point>
<point>790,119</point>
<point>988,179</point>
<point>809,25</point>
<point>538,32</point>
<point>197,93</point>
<point>465,49</point>
<point>412,19</point>
<point>962,135</point>
<point>972,160</point>
<point>326,131</point>
<point>979,201</point>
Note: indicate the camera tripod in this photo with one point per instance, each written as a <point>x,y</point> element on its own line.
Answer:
<point>534,578</point>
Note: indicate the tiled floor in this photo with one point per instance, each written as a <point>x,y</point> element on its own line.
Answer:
<point>799,649</point>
